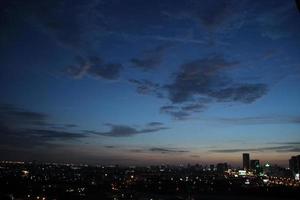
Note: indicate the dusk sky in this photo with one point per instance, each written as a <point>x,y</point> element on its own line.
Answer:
<point>149,82</point>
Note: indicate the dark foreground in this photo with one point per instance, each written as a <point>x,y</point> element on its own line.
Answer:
<point>56,181</point>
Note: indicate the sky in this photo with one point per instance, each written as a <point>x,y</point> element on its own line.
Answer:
<point>135,82</point>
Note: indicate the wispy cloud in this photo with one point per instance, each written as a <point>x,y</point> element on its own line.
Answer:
<point>127,131</point>
<point>167,150</point>
<point>93,66</point>
<point>25,128</point>
<point>152,58</point>
<point>184,111</point>
<point>260,120</point>
<point>162,150</point>
<point>286,148</point>
<point>146,87</point>
<point>202,82</point>
<point>206,77</point>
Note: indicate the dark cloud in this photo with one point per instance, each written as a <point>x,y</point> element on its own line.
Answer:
<point>261,120</point>
<point>290,150</point>
<point>75,25</point>
<point>288,143</point>
<point>137,150</point>
<point>167,150</point>
<point>175,111</point>
<point>168,108</point>
<point>211,15</point>
<point>159,150</point>
<point>200,83</point>
<point>214,14</point>
<point>51,18</point>
<point>94,66</point>
<point>182,112</point>
<point>110,146</point>
<point>179,115</point>
<point>245,93</point>
<point>127,131</point>
<point>155,124</point>
<point>12,137</point>
<point>23,128</point>
<point>198,77</point>
<point>11,115</point>
<point>146,87</point>
<point>261,149</point>
<point>151,58</point>
<point>276,21</point>
<point>194,107</point>
<point>70,125</point>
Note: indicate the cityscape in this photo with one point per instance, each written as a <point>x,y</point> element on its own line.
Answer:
<point>49,181</point>
<point>149,99</point>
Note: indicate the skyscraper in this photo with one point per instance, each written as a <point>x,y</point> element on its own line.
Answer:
<point>294,164</point>
<point>246,161</point>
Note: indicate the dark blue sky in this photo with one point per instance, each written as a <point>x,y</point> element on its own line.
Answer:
<point>145,82</point>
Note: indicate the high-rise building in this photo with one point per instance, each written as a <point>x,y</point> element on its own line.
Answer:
<point>211,167</point>
<point>294,164</point>
<point>222,167</point>
<point>246,161</point>
<point>254,164</point>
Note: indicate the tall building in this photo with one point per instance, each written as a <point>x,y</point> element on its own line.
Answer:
<point>246,161</point>
<point>222,167</point>
<point>254,164</point>
<point>294,164</point>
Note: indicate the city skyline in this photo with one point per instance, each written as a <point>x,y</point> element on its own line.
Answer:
<point>149,82</point>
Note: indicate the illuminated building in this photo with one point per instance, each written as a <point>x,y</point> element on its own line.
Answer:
<point>254,164</point>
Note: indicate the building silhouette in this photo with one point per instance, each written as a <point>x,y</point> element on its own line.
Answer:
<point>294,164</point>
<point>246,161</point>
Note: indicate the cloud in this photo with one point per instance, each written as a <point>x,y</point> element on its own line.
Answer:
<point>207,77</point>
<point>151,58</point>
<point>11,115</point>
<point>261,120</point>
<point>202,82</point>
<point>94,66</point>
<point>137,150</point>
<point>198,77</point>
<point>155,124</point>
<point>146,87</point>
<point>245,93</point>
<point>24,128</point>
<point>215,14</point>
<point>276,21</point>
<point>290,150</point>
<point>210,15</point>
<point>67,23</point>
<point>288,143</point>
<point>110,146</point>
<point>179,115</point>
<point>126,131</point>
<point>13,137</point>
<point>163,150</point>
<point>168,108</point>
<point>194,107</point>
<point>261,149</point>
<point>182,112</point>
<point>167,150</point>
<point>70,125</point>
